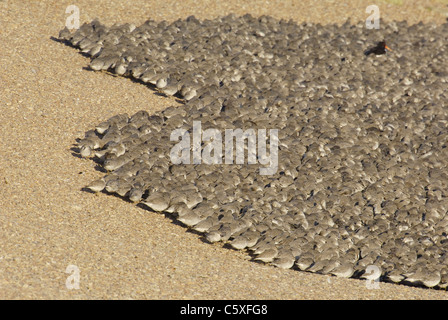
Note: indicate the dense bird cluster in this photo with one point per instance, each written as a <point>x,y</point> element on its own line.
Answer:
<point>362,140</point>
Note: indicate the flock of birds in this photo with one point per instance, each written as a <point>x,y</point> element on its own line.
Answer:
<point>362,138</point>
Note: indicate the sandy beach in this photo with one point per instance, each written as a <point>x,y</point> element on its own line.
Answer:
<point>49,98</point>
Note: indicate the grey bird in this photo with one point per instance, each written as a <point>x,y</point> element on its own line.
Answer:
<point>345,270</point>
<point>206,224</point>
<point>267,255</point>
<point>239,242</point>
<point>213,236</point>
<point>97,185</point>
<point>284,261</point>
<point>157,202</point>
<point>190,219</point>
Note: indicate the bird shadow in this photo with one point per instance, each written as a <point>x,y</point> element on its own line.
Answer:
<point>173,218</point>
<point>75,152</point>
<point>85,189</point>
<point>177,97</point>
<point>68,44</point>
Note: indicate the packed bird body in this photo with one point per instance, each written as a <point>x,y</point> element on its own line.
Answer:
<point>361,177</point>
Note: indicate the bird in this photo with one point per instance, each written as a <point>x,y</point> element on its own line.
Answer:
<point>102,127</point>
<point>328,206</point>
<point>268,255</point>
<point>379,49</point>
<point>190,219</point>
<point>162,82</point>
<point>284,261</point>
<point>330,266</point>
<point>395,276</point>
<point>120,68</point>
<point>189,94</point>
<point>206,224</point>
<point>305,261</point>
<point>415,277</point>
<point>123,188</point>
<point>239,243</point>
<point>97,63</point>
<point>97,185</point>
<point>85,151</point>
<point>318,266</point>
<point>113,164</point>
<point>157,202</point>
<point>431,279</point>
<point>252,238</point>
<point>135,194</point>
<point>345,270</point>
<point>65,34</point>
<point>213,236</point>
<point>116,148</point>
<point>171,89</point>
<point>112,185</point>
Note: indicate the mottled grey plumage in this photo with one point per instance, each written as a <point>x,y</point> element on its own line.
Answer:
<point>361,177</point>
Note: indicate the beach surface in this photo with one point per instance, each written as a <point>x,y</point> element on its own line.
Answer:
<point>52,232</point>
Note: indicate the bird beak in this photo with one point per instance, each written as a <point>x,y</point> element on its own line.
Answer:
<point>388,48</point>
